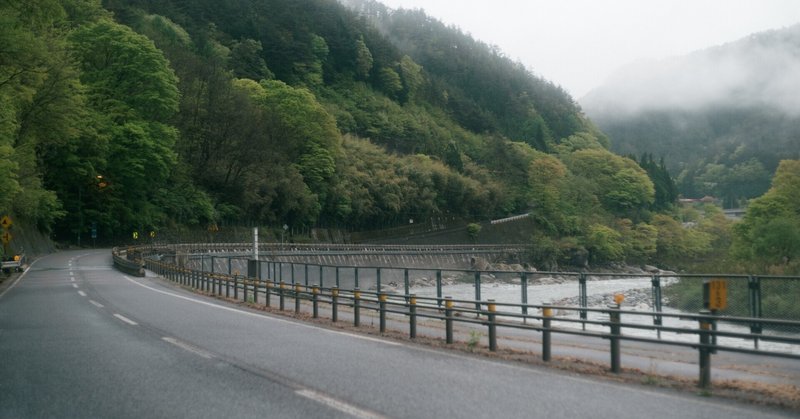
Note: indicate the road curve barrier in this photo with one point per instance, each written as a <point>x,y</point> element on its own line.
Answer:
<point>129,261</point>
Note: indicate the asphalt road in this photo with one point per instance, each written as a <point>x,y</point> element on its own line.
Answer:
<point>79,339</point>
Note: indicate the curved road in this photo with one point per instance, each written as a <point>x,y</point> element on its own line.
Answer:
<point>79,339</point>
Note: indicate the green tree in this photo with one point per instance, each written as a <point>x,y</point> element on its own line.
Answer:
<point>618,182</point>
<point>412,77</point>
<point>246,61</point>
<point>547,177</point>
<point>133,93</point>
<point>363,59</point>
<point>390,82</point>
<point>127,76</point>
<point>604,244</point>
<point>677,244</point>
<point>769,235</point>
<point>473,229</point>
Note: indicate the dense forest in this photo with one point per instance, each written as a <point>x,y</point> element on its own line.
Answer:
<point>723,117</point>
<point>166,114</point>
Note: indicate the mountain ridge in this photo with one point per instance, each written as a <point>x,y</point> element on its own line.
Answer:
<point>722,117</point>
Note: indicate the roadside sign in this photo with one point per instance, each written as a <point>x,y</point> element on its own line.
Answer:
<point>6,222</point>
<point>717,294</point>
<point>6,236</point>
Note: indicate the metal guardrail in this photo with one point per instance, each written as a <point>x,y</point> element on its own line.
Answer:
<point>747,292</point>
<point>293,247</point>
<point>490,314</point>
<point>15,263</point>
<point>129,261</point>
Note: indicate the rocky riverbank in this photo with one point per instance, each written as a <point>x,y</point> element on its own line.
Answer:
<point>635,299</point>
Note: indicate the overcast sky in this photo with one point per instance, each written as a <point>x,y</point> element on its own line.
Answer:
<point>578,43</point>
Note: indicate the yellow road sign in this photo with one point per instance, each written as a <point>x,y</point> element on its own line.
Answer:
<point>6,236</point>
<point>6,222</point>
<point>152,234</point>
<point>717,294</point>
<point>136,235</point>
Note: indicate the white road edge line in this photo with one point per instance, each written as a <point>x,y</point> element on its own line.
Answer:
<point>96,304</point>
<point>187,347</point>
<point>82,294</point>
<point>261,316</point>
<point>125,319</point>
<point>337,404</point>
<point>74,285</point>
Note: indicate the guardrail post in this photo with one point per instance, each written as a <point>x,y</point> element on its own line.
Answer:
<point>492,308</point>
<point>219,284</point>
<point>378,279</point>
<point>657,303</point>
<point>448,319</point>
<point>335,304</point>
<point>582,297</point>
<point>267,292</point>
<point>256,283</point>
<point>439,287</point>
<point>281,295</point>
<point>355,277</point>
<point>547,313</point>
<point>614,318</point>
<point>236,287</point>
<point>356,307</point>
<point>228,287</point>
<point>412,315</point>
<point>704,381</point>
<point>406,284</point>
<point>478,291</point>
<point>382,297</point>
<point>337,277</point>
<point>244,289</point>
<point>523,279</point>
<point>754,291</point>
<point>315,301</point>
<point>297,289</point>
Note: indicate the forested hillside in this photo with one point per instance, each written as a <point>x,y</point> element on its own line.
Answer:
<point>722,118</point>
<point>152,115</point>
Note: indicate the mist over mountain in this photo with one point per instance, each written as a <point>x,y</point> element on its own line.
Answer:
<point>722,117</point>
<point>760,70</point>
